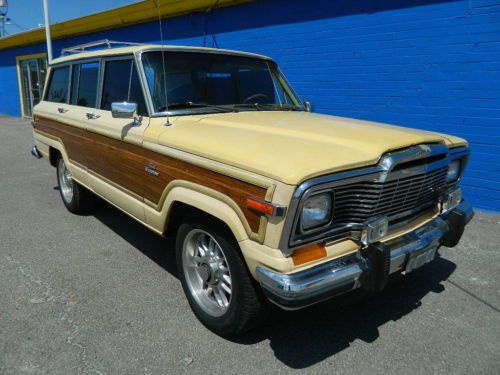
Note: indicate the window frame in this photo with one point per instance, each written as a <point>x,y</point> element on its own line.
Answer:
<point>100,77</point>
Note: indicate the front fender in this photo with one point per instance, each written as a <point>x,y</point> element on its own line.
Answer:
<point>204,199</point>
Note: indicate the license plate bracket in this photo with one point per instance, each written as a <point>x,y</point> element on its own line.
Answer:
<point>418,258</point>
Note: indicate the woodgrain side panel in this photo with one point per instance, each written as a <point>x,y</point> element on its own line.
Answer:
<point>124,164</point>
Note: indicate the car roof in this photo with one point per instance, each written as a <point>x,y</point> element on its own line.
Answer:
<point>149,47</point>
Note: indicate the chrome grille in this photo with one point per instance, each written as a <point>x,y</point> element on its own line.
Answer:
<point>403,185</point>
<point>355,203</point>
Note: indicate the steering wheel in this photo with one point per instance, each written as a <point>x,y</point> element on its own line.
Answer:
<point>251,98</point>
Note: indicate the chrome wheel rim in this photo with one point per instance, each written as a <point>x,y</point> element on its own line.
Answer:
<point>207,272</point>
<point>65,181</point>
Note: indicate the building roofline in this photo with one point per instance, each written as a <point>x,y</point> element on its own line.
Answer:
<point>128,15</point>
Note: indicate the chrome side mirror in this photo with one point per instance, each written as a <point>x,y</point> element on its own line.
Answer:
<point>308,105</point>
<point>124,110</point>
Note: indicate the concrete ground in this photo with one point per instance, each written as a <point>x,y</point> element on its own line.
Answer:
<point>100,294</point>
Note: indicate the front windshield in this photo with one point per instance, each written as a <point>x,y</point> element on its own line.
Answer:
<point>207,82</point>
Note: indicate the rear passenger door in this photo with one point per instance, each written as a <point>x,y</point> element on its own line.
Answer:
<point>83,94</point>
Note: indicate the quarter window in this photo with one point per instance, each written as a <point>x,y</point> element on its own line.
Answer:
<point>121,84</point>
<point>58,86</point>
<point>84,84</point>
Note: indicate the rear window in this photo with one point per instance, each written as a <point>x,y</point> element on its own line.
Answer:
<point>57,91</point>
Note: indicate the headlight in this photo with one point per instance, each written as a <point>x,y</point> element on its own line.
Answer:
<point>317,210</point>
<point>453,171</point>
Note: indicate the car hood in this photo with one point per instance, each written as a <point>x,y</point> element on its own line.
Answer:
<point>288,146</point>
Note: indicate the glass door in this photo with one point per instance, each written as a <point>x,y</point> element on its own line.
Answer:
<point>32,78</point>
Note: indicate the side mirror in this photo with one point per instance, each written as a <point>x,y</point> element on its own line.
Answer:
<point>308,105</point>
<point>124,110</point>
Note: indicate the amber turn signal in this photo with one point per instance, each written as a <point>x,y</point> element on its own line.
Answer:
<point>308,254</point>
<point>260,206</point>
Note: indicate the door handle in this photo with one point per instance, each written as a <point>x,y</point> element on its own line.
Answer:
<point>92,116</point>
<point>62,110</point>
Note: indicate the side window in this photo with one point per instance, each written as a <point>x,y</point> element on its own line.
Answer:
<point>121,84</point>
<point>84,84</point>
<point>58,86</point>
<point>87,84</point>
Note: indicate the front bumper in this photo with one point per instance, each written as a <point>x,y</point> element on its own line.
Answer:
<point>368,269</point>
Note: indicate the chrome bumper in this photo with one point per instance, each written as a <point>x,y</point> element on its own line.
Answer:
<point>35,152</point>
<point>367,269</point>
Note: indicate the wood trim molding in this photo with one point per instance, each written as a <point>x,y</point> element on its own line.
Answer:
<point>124,165</point>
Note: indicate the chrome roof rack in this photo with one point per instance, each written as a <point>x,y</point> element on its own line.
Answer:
<point>99,43</point>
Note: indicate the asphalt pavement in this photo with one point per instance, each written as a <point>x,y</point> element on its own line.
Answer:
<point>99,294</point>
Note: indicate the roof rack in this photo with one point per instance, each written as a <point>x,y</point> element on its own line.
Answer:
<point>99,43</point>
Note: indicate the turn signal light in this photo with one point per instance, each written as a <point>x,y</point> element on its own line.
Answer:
<point>265,207</point>
<point>308,254</point>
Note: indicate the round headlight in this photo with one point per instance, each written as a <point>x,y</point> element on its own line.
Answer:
<point>316,211</point>
<point>453,171</point>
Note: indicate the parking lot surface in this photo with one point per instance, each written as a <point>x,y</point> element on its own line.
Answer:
<point>99,294</point>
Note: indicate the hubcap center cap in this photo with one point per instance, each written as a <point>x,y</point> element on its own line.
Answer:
<point>204,271</point>
<point>209,272</point>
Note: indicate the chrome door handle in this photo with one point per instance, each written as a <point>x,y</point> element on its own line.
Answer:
<point>62,110</point>
<point>91,116</point>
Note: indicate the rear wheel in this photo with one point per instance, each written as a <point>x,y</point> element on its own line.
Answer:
<point>75,197</point>
<point>215,280</point>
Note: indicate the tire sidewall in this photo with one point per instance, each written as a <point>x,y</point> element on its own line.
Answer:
<point>226,323</point>
<point>69,205</point>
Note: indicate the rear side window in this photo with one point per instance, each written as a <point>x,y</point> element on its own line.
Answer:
<point>121,84</point>
<point>57,90</point>
<point>84,84</point>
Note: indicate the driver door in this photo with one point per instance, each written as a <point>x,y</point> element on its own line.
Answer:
<point>118,166</point>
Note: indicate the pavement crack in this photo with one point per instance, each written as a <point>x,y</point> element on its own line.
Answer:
<point>477,298</point>
<point>66,303</point>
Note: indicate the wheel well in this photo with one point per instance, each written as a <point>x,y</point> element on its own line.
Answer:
<point>181,212</point>
<point>54,154</point>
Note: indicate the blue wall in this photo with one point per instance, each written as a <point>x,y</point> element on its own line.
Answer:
<point>420,63</point>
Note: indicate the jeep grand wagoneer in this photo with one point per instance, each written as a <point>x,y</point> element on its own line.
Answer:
<point>267,201</point>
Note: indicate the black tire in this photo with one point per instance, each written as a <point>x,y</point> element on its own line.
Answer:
<point>247,306</point>
<point>81,200</point>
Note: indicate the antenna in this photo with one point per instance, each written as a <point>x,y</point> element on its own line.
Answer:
<point>4,7</point>
<point>163,63</point>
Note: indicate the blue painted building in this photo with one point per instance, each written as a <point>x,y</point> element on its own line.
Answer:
<point>428,64</point>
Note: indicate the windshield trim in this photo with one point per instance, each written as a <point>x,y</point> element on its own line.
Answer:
<point>207,110</point>
<point>213,111</point>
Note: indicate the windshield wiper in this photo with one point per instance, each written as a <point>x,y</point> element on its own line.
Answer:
<point>263,106</point>
<point>183,105</point>
<point>257,106</point>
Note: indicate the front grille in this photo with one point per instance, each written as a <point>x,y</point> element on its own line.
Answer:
<point>405,185</point>
<point>397,198</point>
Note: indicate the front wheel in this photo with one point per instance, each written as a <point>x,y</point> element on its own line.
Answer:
<point>215,279</point>
<point>75,197</point>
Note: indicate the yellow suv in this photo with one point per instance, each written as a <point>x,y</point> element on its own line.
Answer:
<point>267,201</point>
